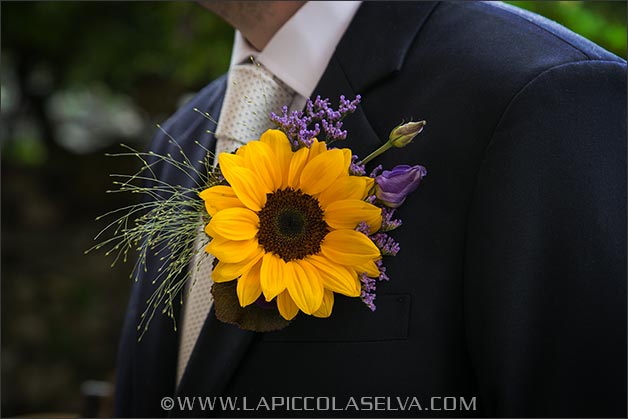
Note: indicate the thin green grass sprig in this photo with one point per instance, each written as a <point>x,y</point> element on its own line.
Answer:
<point>167,224</point>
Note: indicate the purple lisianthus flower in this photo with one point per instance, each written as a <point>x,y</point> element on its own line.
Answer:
<point>393,186</point>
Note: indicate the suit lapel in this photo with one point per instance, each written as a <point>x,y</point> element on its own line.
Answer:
<point>220,347</point>
<point>215,357</point>
<point>382,49</point>
<point>155,355</point>
<point>367,39</point>
<point>361,136</point>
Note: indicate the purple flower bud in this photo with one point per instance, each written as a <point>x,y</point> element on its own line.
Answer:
<point>393,186</point>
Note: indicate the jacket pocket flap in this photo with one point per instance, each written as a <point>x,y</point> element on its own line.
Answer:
<point>351,321</point>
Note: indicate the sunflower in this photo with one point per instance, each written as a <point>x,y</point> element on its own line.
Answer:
<point>285,226</point>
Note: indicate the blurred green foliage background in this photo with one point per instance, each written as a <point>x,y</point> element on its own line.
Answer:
<point>78,78</point>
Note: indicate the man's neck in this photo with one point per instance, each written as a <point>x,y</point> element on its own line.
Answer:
<point>257,21</point>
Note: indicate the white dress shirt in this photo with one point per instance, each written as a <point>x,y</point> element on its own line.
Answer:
<point>301,49</point>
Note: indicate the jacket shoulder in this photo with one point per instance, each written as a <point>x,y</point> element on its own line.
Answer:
<point>193,119</point>
<point>522,22</point>
<point>494,43</point>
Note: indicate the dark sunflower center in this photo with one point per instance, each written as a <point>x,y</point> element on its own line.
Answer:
<point>291,224</point>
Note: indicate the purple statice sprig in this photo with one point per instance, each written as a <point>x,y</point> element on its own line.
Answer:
<point>388,222</point>
<point>368,293</point>
<point>356,168</point>
<point>376,171</point>
<point>387,247</point>
<point>318,119</point>
<point>386,244</point>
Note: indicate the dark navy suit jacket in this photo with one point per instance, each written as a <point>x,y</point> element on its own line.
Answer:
<point>511,283</point>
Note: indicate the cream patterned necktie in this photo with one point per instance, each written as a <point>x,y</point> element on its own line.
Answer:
<point>252,94</point>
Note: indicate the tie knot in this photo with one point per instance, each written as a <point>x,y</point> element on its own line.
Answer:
<point>252,94</point>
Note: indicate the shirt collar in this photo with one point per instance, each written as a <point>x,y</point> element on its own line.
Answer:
<point>301,49</point>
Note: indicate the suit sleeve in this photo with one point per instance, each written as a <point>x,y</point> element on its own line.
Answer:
<point>545,268</point>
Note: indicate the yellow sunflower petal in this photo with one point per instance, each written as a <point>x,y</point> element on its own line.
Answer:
<point>233,224</point>
<point>346,187</point>
<point>349,247</point>
<point>370,268</point>
<point>287,308</point>
<point>231,251</point>
<point>305,286</point>
<point>280,144</point>
<point>326,306</point>
<point>273,275</point>
<point>271,136</point>
<point>316,148</point>
<point>321,171</point>
<point>224,272</point>
<point>297,163</point>
<point>241,151</point>
<point>218,198</point>
<point>261,158</point>
<point>348,155</point>
<point>336,278</point>
<point>247,186</point>
<point>249,288</point>
<point>350,212</point>
<point>228,160</point>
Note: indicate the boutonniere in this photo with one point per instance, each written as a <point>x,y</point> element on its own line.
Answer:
<point>290,218</point>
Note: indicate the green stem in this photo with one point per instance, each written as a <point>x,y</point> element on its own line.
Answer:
<point>377,152</point>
